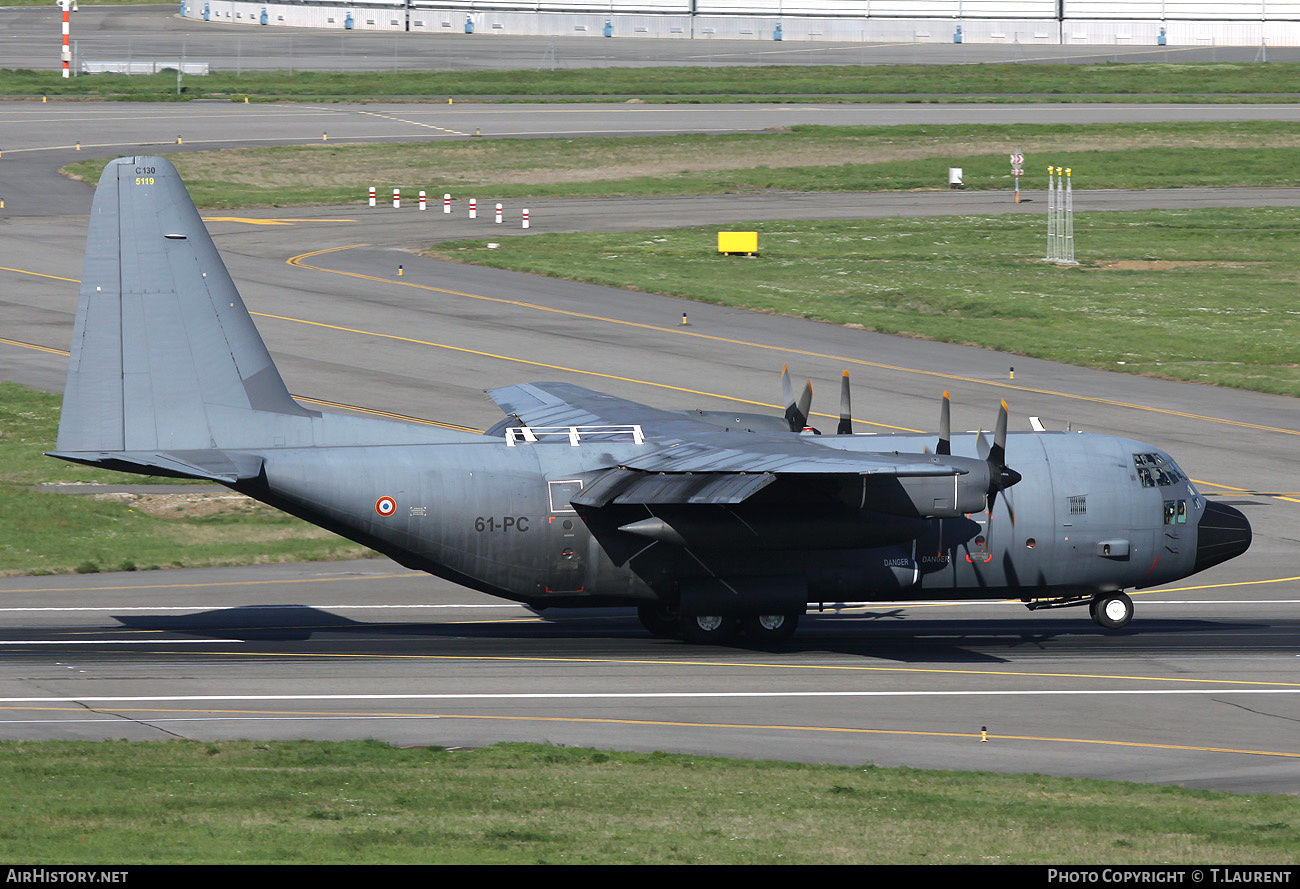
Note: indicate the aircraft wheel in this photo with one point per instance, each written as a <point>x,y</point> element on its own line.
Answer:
<point>769,629</point>
<point>660,620</point>
<point>1112,610</point>
<point>703,629</point>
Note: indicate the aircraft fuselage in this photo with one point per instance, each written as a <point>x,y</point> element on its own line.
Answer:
<point>1089,516</point>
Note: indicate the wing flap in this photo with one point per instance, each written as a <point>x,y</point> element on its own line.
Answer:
<point>785,459</point>
<point>623,487</point>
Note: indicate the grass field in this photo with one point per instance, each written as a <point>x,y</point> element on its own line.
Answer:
<point>1204,296</point>
<point>1273,82</point>
<point>56,533</point>
<point>365,802</point>
<point>797,158</point>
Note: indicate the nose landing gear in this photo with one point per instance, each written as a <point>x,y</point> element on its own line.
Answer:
<point>1112,611</point>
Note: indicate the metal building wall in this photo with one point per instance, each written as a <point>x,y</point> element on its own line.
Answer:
<point>1033,22</point>
<point>1185,10</point>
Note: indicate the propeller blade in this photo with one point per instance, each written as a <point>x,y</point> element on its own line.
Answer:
<point>982,445</point>
<point>1001,476</point>
<point>805,406</point>
<point>806,400</point>
<point>945,427</point>
<point>793,417</point>
<point>997,455</point>
<point>846,409</point>
<point>993,499</point>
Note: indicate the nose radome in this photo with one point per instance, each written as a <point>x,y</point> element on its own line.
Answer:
<point>1223,534</point>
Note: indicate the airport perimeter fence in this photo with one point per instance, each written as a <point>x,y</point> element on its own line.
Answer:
<point>376,51</point>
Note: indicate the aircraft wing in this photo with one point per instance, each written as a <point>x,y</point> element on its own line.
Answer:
<point>690,461</point>
<point>700,472</point>
<point>563,404</point>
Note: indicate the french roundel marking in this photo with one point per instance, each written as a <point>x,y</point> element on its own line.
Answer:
<point>385,506</point>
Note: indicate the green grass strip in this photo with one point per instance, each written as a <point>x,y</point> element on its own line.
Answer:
<point>797,158</point>
<point>44,533</point>
<point>369,803</point>
<point>1007,82</point>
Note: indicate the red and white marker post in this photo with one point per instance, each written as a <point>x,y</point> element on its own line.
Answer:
<point>67,30</point>
<point>422,201</point>
<point>372,195</point>
<point>397,199</point>
<point>473,208</point>
<point>525,218</point>
<point>446,203</point>
<point>498,214</point>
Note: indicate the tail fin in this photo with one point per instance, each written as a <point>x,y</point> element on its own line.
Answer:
<point>164,355</point>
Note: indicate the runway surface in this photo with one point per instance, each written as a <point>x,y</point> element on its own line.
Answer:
<point>1200,690</point>
<point>1200,693</point>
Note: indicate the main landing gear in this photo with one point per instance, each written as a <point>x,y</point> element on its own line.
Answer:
<point>704,629</point>
<point>1111,610</point>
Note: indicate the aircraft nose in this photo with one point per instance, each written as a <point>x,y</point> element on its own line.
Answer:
<point>1223,534</point>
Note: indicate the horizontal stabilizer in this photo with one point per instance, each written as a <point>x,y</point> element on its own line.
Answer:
<point>214,466</point>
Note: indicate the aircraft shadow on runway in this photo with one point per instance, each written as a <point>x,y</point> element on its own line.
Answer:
<point>886,634</point>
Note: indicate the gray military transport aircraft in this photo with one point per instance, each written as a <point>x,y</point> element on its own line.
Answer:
<point>710,524</point>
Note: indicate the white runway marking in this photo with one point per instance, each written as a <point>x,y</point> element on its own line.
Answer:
<point>615,696</point>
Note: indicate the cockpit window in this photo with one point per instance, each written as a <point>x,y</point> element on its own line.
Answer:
<point>1157,471</point>
<point>1175,512</point>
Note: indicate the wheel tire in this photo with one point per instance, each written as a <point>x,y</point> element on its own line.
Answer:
<point>705,629</point>
<point>1112,611</point>
<point>769,629</point>
<point>660,620</point>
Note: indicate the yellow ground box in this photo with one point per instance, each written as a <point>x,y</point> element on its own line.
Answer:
<point>738,242</point>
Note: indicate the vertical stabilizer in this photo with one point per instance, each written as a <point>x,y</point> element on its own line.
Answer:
<point>164,355</point>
